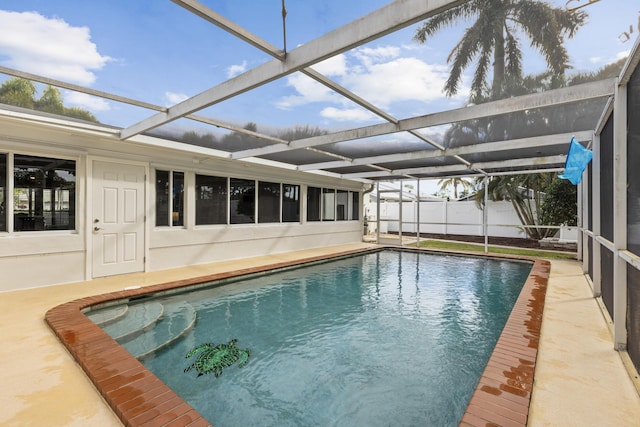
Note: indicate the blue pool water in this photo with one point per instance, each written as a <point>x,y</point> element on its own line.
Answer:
<point>386,338</point>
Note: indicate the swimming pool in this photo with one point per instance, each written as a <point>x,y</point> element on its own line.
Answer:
<point>137,396</point>
<point>384,338</point>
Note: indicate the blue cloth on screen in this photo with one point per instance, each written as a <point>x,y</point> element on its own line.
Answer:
<point>577,161</point>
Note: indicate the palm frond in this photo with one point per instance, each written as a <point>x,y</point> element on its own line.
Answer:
<point>445,19</point>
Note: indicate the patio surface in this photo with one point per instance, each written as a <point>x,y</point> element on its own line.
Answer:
<point>580,380</point>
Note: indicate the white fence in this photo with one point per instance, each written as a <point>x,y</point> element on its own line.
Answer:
<point>446,217</point>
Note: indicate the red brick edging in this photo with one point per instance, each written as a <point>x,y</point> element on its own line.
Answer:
<point>139,398</point>
<point>503,393</point>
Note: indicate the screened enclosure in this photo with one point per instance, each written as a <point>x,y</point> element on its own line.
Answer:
<point>250,109</point>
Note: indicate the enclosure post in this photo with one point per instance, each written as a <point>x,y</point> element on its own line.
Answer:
<point>418,214</point>
<point>378,212</point>
<point>579,219</point>
<point>620,217</point>
<point>485,227</point>
<point>584,220</point>
<point>401,200</point>
<point>595,211</point>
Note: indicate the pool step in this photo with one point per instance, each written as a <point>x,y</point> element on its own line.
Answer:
<point>106,316</point>
<point>179,318</point>
<point>139,318</point>
<point>145,327</point>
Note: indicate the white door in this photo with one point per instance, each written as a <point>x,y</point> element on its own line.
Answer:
<point>118,218</point>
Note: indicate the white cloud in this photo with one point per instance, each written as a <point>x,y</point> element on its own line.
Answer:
<point>398,80</point>
<point>86,101</point>
<point>623,54</point>
<point>308,91</point>
<point>369,56</point>
<point>173,98</point>
<point>595,60</point>
<point>347,114</point>
<point>383,76</point>
<point>49,46</point>
<point>334,66</point>
<point>235,70</point>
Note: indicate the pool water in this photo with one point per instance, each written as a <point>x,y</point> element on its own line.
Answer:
<point>385,338</point>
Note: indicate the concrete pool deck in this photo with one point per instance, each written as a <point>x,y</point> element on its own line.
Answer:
<point>580,379</point>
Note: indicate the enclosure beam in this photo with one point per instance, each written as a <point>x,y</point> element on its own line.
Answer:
<point>484,147</point>
<point>220,21</point>
<point>582,92</point>
<point>383,21</point>
<point>538,162</point>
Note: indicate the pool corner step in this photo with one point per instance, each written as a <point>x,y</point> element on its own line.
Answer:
<point>178,319</point>
<point>138,319</point>
<point>108,315</point>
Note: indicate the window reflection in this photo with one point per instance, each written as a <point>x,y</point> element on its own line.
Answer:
<point>342,205</point>
<point>268,202</point>
<point>169,198</point>
<point>211,200</point>
<point>43,193</point>
<point>290,203</point>
<point>328,204</point>
<point>313,203</point>
<point>3,192</point>
<point>242,201</point>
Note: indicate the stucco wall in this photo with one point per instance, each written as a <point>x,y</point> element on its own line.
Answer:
<point>30,259</point>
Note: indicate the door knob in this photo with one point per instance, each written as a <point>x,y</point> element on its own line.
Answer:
<point>96,228</point>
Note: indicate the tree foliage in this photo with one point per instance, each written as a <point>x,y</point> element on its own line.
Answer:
<point>235,141</point>
<point>18,92</point>
<point>445,183</point>
<point>538,199</point>
<point>23,93</point>
<point>493,41</point>
<point>560,203</point>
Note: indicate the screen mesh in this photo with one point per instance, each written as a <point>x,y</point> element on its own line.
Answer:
<point>606,180</point>
<point>633,164</point>
<point>633,315</point>
<point>606,263</point>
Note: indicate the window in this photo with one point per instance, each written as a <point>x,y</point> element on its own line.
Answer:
<point>242,201</point>
<point>355,205</point>
<point>290,203</point>
<point>211,200</point>
<point>328,204</point>
<point>342,205</point>
<point>44,193</point>
<point>3,192</point>
<point>169,198</point>
<point>313,203</point>
<point>268,202</point>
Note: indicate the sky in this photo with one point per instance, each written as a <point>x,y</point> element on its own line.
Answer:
<point>158,52</point>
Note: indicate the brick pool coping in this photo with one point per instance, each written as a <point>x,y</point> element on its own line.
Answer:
<point>139,398</point>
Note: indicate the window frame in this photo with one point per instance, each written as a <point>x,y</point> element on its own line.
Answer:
<point>10,211</point>
<point>172,220</point>
<point>197,194</point>
<point>275,215</point>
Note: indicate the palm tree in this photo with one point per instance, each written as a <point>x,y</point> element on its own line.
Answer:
<point>494,38</point>
<point>445,183</point>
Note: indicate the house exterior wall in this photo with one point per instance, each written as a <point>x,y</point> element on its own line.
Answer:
<point>31,259</point>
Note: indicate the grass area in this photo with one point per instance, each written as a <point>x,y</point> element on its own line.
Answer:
<point>459,246</point>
